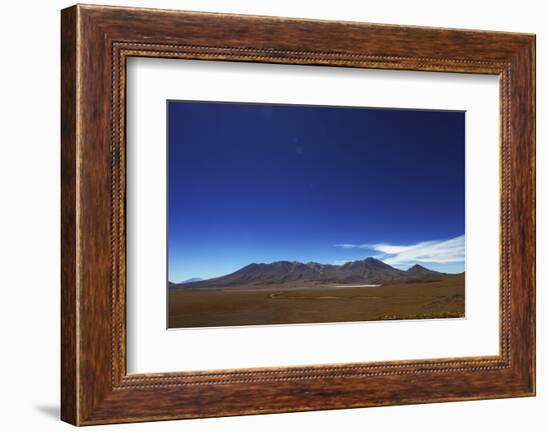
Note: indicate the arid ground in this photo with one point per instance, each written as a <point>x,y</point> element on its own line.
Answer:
<point>314,303</point>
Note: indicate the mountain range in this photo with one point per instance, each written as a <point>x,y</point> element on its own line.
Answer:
<point>367,271</point>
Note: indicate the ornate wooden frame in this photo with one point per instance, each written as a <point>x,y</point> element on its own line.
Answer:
<point>96,41</point>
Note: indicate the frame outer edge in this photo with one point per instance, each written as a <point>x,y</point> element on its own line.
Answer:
<point>523,217</point>
<point>533,53</point>
<point>87,396</point>
<point>531,83</point>
<point>69,202</point>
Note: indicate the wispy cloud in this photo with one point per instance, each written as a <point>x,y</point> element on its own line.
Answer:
<point>354,245</point>
<point>435,252</point>
<point>442,252</point>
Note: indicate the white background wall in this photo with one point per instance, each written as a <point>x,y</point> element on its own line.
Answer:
<point>29,215</point>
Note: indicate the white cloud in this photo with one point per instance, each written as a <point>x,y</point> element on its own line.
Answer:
<point>443,252</point>
<point>354,245</point>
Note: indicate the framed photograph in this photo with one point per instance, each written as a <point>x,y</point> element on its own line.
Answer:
<point>264,215</point>
<point>283,214</point>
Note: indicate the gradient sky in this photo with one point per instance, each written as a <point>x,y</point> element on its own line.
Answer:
<point>261,183</point>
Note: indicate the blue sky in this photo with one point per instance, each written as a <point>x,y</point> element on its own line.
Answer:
<point>261,183</point>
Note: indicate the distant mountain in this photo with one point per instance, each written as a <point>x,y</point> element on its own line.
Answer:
<point>419,270</point>
<point>191,280</point>
<point>367,271</point>
<point>171,284</point>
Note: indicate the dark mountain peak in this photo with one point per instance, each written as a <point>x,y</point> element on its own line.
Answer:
<point>369,262</point>
<point>372,262</point>
<point>417,269</point>
<point>417,272</point>
<point>280,264</point>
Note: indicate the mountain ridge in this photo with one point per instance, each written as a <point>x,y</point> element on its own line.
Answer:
<point>283,272</point>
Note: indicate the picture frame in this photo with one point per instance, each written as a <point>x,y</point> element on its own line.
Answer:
<point>96,42</point>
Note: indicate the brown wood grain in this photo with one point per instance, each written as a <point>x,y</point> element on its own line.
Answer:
<point>69,397</point>
<point>96,41</point>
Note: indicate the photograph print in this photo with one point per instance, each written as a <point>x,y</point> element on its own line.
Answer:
<point>289,214</point>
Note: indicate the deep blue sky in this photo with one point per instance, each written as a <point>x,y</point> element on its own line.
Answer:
<point>260,183</point>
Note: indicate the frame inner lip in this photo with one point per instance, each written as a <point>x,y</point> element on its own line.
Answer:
<point>126,49</point>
